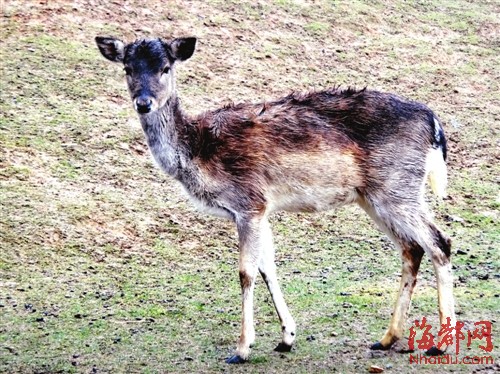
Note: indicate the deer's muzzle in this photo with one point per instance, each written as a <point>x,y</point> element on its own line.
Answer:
<point>143,104</point>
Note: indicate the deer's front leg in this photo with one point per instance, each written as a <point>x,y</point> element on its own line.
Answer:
<point>250,253</point>
<point>267,268</point>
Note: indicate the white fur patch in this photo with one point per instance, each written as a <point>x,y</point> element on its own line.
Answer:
<point>436,171</point>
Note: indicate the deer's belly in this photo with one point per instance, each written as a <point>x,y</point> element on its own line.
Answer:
<point>309,199</point>
<point>211,209</point>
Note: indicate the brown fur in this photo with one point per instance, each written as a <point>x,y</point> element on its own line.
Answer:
<point>352,138</point>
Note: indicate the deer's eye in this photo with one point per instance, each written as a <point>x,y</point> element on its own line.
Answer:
<point>128,70</point>
<point>166,70</point>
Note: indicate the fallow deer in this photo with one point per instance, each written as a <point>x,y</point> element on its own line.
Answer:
<point>306,152</point>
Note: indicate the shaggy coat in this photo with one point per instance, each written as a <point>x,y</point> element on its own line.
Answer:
<point>306,152</point>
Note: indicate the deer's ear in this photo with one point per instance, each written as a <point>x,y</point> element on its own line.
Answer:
<point>111,48</point>
<point>182,48</point>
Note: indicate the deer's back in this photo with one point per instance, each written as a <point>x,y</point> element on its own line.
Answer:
<point>312,151</point>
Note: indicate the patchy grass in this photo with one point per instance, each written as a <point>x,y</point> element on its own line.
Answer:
<point>104,266</point>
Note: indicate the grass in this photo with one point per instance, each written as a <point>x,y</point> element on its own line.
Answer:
<point>104,265</point>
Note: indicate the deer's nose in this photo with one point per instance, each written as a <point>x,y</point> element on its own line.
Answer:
<point>143,104</point>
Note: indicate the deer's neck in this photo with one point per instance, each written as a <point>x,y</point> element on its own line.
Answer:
<point>166,134</point>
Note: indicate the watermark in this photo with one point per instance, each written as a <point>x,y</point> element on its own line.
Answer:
<point>451,336</point>
<point>450,359</point>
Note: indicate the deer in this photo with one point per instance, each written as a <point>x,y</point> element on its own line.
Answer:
<point>305,152</point>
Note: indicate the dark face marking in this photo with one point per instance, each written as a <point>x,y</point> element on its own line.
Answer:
<point>149,70</point>
<point>148,64</point>
<point>147,57</point>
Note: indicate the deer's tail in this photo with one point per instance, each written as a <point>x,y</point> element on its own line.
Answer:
<point>436,161</point>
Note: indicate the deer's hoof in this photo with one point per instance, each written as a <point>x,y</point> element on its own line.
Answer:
<point>379,347</point>
<point>434,351</point>
<point>235,360</point>
<point>282,347</point>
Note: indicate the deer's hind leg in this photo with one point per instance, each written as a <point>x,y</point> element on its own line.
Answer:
<point>411,256</point>
<point>413,233</point>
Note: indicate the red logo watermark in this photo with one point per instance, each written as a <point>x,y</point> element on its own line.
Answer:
<point>449,336</point>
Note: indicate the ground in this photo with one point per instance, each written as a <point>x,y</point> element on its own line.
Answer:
<point>105,267</point>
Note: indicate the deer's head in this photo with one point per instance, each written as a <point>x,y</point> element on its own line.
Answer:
<point>149,67</point>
